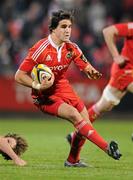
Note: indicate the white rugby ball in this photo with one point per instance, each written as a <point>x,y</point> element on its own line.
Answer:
<point>41,72</point>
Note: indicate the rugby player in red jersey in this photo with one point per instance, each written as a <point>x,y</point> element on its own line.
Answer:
<point>56,96</point>
<point>121,77</point>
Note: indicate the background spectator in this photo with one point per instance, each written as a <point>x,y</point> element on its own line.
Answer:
<point>24,22</point>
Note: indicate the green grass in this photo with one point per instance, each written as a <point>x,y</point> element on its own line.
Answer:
<point>48,149</point>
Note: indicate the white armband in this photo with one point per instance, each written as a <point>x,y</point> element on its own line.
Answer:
<point>36,86</point>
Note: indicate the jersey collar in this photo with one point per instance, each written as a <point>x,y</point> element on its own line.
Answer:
<point>53,44</point>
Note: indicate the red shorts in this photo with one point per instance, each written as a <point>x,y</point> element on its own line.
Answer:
<point>121,77</point>
<point>62,94</point>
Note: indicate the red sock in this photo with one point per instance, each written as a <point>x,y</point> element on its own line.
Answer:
<point>76,146</point>
<point>91,134</point>
<point>93,115</point>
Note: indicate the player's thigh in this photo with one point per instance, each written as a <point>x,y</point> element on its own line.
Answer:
<point>69,112</point>
<point>130,87</point>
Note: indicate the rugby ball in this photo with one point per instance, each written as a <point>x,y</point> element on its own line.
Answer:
<point>41,72</point>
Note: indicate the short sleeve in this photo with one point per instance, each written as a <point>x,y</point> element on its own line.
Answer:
<point>28,63</point>
<point>79,59</point>
<point>125,29</point>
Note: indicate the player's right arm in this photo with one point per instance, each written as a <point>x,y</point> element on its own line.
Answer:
<point>110,33</point>
<point>23,74</point>
<point>22,77</point>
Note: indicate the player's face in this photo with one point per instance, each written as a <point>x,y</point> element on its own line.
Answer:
<point>11,141</point>
<point>63,30</point>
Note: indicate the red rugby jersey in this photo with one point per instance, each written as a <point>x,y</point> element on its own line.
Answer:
<point>57,58</point>
<point>126,30</point>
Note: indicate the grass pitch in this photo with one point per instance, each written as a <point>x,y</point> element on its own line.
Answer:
<point>48,150</point>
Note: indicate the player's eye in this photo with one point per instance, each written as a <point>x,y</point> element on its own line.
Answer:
<point>64,26</point>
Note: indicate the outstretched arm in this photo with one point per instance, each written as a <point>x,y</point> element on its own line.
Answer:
<point>5,147</point>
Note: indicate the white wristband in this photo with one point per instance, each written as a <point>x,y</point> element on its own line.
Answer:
<point>36,86</point>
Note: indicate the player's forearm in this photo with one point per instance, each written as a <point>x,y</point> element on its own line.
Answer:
<point>109,34</point>
<point>4,147</point>
<point>91,72</point>
<point>23,78</point>
<point>10,153</point>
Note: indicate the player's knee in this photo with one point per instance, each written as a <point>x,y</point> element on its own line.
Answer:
<point>109,106</point>
<point>111,99</point>
<point>73,114</point>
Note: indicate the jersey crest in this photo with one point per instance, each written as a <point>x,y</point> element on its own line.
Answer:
<point>69,55</point>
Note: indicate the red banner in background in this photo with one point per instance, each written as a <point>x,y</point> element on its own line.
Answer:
<point>14,97</point>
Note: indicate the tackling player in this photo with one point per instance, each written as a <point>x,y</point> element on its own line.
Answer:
<point>121,78</point>
<point>56,96</point>
<point>11,147</point>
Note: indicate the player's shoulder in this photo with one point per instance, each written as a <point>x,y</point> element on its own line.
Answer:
<point>39,47</point>
<point>72,45</point>
<point>41,42</point>
<point>130,25</point>
<point>124,24</point>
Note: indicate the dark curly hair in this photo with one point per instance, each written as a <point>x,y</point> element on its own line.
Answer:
<point>58,16</point>
<point>20,148</point>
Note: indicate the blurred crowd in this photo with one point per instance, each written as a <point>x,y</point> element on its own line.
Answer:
<point>23,22</point>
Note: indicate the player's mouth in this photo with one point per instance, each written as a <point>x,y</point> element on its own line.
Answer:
<point>67,36</point>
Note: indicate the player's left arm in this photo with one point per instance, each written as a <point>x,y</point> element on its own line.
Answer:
<point>87,68</point>
<point>84,65</point>
<point>91,72</point>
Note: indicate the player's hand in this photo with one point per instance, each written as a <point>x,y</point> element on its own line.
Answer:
<point>20,162</point>
<point>47,83</point>
<point>121,61</point>
<point>94,74</point>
